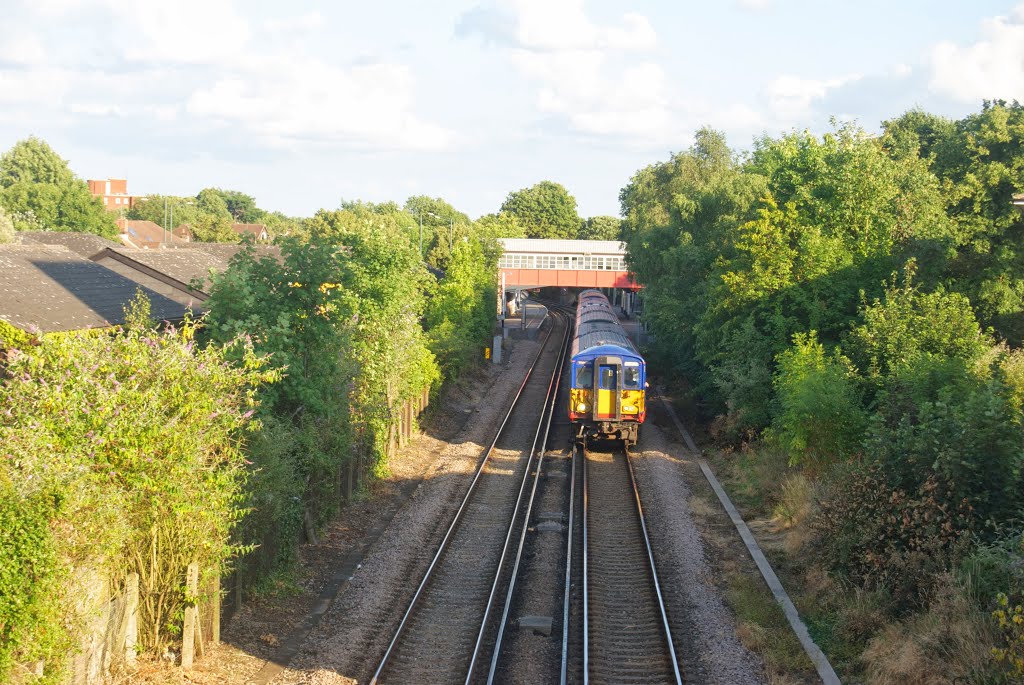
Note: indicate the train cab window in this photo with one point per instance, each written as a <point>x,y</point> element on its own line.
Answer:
<point>584,376</point>
<point>607,378</point>
<point>631,377</point>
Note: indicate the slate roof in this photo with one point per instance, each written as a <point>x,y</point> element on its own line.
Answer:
<point>257,231</point>
<point>145,234</point>
<point>184,266</point>
<point>82,244</point>
<point>50,289</point>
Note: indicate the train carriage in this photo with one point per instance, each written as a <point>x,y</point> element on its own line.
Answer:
<point>608,375</point>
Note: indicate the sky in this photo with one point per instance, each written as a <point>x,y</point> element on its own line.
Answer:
<point>306,104</point>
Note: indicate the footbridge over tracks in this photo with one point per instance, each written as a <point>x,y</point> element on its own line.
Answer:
<point>532,263</point>
<point>528,263</point>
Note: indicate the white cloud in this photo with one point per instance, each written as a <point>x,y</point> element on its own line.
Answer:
<point>791,98</point>
<point>288,101</point>
<point>21,48</point>
<point>201,65</point>
<point>991,68</point>
<point>555,25</point>
<point>582,71</point>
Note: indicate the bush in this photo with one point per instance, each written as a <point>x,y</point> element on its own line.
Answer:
<point>149,476</point>
<point>908,324</point>
<point>882,537</point>
<point>938,418</point>
<point>821,419</point>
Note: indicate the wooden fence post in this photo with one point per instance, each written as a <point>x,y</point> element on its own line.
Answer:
<point>188,632</point>
<point>131,612</point>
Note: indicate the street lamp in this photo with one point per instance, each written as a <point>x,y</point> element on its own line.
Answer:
<point>451,229</point>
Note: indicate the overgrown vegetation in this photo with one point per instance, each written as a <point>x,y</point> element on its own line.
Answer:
<point>853,304</point>
<point>120,454</point>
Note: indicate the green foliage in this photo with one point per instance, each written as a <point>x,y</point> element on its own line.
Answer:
<point>39,192</point>
<point>1011,624</point>
<point>500,225</point>
<point>214,228</point>
<point>907,323</point>
<point>241,207</point>
<point>31,626</point>
<point>544,210</point>
<point>939,417</point>
<point>600,228</point>
<point>820,419</point>
<point>6,227</point>
<point>295,313</point>
<point>680,217</point>
<point>149,477</point>
<point>158,209</point>
<point>460,315</point>
<point>33,161</point>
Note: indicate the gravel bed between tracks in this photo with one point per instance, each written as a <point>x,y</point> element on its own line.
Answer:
<point>709,649</point>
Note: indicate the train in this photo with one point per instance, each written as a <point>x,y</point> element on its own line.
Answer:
<point>608,376</point>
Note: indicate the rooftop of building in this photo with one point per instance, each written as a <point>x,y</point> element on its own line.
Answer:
<point>83,244</point>
<point>49,288</point>
<point>544,246</point>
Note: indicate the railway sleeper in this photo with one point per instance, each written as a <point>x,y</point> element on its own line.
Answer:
<point>540,625</point>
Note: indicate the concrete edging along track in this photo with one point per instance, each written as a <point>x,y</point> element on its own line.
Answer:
<point>821,663</point>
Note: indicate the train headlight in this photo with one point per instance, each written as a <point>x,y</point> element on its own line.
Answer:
<point>629,410</point>
<point>582,406</point>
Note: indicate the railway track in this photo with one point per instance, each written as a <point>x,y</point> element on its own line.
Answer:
<point>626,636</point>
<point>449,630</point>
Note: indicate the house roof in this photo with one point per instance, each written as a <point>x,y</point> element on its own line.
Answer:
<point>82,244</point>
<point>145,234</point>
<point>543,246</point>
<point>255,230</point>
<point>49,289</point>
<point>186,270</point>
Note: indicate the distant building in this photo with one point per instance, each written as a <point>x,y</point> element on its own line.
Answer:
<point>257,231</point>
<point>1018,202</point>
<point>113,192</point>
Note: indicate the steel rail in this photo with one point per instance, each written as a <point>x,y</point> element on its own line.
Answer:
<point>651,567</point>
<point>566,597</point>
<point>654,571</point>
<point>457,519</point>
<point>586,574</point>
<point>551,403</point>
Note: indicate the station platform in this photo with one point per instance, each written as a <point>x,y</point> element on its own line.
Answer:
<point>526,324</point>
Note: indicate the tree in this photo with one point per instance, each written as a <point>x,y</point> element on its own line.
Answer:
<point>500,225</point>
<point>600,228</point>
<point>545,210</point>
<point>33,161</point>
<point>40,192</point>
<point>213,228</point>
<point>242,207</point>
<point>6,227</point>
<point>211,201</point>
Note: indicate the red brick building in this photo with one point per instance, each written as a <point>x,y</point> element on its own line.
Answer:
<point>114,193</point>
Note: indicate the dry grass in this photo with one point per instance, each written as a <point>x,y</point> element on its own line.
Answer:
<point>948,644</point>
